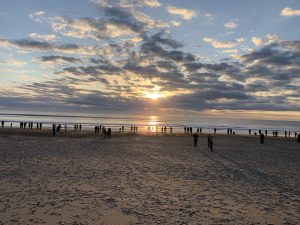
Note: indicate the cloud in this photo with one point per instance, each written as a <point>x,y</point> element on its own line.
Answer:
<point>290,12</point>
<point>231,25</point>
<point>175,23</point>
<point>37,16</point>
<point>151,3</point>
<point>185,14</point>
<point>59,59</point>
<point>223,44</point>
<point>30,45</point>
<point>130,3</point>
<point>118,22</point>
<point>43,37</point>
<point>13,63</point>
<point>266,40</point>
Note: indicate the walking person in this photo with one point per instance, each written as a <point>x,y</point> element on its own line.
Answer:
<point>262,138</point>
<point>109,132</point>
<point>210,142</point>
<point>196,136</point>
<point>53,130</point>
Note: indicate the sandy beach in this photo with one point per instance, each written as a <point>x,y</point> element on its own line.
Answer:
<point>139,179</point>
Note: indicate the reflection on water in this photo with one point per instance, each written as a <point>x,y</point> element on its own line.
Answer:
<point>153,123</point>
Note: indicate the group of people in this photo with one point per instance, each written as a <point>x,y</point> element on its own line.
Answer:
<point>229,131</point>
<point>188,130</point>
<point>105,131</point>
<point>56,129</point>
<point>210,141</point>
<point>164,129</point>
<point>133,128</point>
<point>77,127</point>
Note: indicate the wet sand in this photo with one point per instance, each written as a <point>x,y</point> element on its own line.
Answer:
<point>79,178</point>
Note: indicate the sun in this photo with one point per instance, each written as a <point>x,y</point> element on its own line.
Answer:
<point>154,96</point>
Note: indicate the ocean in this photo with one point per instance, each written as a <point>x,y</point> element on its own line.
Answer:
<point>152,123</point>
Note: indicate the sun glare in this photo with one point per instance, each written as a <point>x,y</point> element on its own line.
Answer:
<point>154,96</point>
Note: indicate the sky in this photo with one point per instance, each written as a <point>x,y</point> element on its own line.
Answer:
<point>151,56</point>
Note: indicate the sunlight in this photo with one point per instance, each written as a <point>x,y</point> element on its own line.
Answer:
<point>154,96</point>
<point>152,124</point>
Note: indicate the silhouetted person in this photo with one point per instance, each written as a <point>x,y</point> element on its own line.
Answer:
<point>231,131</point>
<point>200,130</point>
<point>171,130</point>
<point>109,132</point>
<point>298,138</point>
<point>122,128</point>
<point>2,124</point>
<point>80,127</point>
<point>184,129</point>
<point>41,126</point>
<point>210,142</point>
<point>53,129</point>
<point>249,132</point>
<point>37,126</point>
<point>227,130</point>
<point>10,125</point>
<point>58,129</point>
<point>255,133</point>
<point>262,138</point>
<point>215,130</point>
<point>259,132</point>
<point>266,132</point>
<point>191,130</point>
<point>295,134</point>
<point>285,134</point>
<point>289,133</point>
<point>165,129</point>
<point>195,139</point>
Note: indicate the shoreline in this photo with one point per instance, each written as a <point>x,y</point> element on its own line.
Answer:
<point>46,132</point>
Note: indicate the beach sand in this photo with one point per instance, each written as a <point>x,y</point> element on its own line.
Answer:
<point>139,179</point>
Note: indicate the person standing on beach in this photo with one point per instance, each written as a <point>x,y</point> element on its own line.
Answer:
<point>109,132</point>
<point>53,129</point>
<point>58,129</point>
<point>215,130</point>
<point>2,124</point>
<point>298,138</point>
<point>196,136</point>
<point>210,142</point>
<point>262,138</point>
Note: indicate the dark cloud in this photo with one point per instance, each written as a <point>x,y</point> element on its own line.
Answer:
<point>55,58</point>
